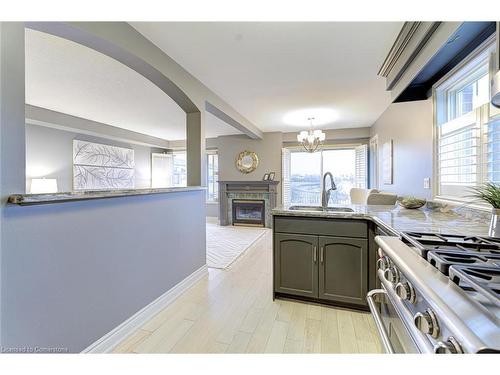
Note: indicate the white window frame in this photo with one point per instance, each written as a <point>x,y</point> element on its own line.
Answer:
<point>483,114</point>
<point>326,147</point>
<point>216,187</point>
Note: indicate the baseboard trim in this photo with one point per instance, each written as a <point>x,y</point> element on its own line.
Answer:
<point>110,340</point>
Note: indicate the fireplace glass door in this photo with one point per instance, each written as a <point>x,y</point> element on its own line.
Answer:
<point>248,212</point>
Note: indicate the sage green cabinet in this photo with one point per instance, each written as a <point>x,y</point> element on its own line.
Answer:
<point>343,269</point>
<point>296,264</point>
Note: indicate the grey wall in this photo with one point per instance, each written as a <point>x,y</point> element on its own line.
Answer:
<point>212,209</point>
<point>12,176</point>
<point>268,150</point>
<point>409,125</point>
<point>1,170</point>
<point>121,41</point>
<point>74,271</point>
<point>49,153</point>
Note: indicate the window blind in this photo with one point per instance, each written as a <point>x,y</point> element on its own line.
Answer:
<point>361,173</point>
<point>212,176</point>
<point>491,151</point>
<point>458,155</point>
<point>285,177</point>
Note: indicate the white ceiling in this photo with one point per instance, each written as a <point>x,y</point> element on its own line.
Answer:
<point>269,71</point>
<point>67,77</point>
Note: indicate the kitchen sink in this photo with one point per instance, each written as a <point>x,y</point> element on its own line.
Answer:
<point>306,208</point>
<point>339,209</point>
<point>321,209</point>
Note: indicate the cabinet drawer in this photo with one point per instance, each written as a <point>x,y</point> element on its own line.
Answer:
<point>327,227</point>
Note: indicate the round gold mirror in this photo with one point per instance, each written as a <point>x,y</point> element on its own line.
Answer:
<point>247,161</point>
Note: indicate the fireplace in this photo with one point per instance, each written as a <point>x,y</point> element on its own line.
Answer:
<point>249,212</point>
<point>262,193</point>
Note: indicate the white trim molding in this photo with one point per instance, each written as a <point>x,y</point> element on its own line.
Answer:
<point>111,340</point>
<point>409,42</point>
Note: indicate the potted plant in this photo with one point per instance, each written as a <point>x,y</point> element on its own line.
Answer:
<point>490,193</point>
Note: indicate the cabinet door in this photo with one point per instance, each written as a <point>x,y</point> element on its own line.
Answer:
<point>343,269</point>
<point>296,264</point>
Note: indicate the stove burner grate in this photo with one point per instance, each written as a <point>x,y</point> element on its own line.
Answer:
<point>482,279</point>
<point>443,259</point>
<point>425,242</point>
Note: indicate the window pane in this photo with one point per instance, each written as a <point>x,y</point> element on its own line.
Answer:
<point>458,161</point>
<point>305,178</point>
<point>161,170</point>
<point>212,177</point>
<point>471,92</point>
<point>341,163</point>
<point>180,172</point>
<point>467,155</point>
<point>464,100</point>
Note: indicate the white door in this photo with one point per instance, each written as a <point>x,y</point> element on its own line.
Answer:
<point>161,170</point>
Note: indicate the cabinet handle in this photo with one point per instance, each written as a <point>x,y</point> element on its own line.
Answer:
<point>315,254</point>
<point>321,254</point>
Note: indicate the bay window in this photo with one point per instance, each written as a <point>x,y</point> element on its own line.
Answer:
<point>303,173</point>
<point>467,129</point>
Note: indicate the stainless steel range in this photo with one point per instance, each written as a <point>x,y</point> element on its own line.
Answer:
<point>439,294</point>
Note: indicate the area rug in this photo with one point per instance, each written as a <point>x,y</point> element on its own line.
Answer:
<point>225,244</point>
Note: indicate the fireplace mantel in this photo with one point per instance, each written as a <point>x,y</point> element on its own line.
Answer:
<point>251,189</point>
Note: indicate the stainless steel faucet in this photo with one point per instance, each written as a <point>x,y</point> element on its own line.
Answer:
<point>325,194</point>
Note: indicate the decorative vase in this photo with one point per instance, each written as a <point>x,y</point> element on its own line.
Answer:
<point>494,230</point>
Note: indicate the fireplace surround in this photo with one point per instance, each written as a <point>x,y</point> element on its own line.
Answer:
<point>263,191</point>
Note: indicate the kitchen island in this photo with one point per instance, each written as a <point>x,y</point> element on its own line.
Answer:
<point>330,256</point>
<point>397,219</point>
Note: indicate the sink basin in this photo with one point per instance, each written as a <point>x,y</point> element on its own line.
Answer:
<point>339,209</point>
<point>321,209</point>
<point>306,208</point>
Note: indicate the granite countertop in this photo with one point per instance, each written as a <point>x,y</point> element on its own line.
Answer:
<point>33,199</point>
<point>399,219</point>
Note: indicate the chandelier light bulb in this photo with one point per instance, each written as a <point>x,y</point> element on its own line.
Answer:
<point>311,140</point>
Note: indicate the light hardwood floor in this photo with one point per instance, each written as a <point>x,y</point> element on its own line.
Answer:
<point>232,311</point>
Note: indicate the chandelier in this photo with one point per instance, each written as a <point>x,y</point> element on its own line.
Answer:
<point>311,139</point>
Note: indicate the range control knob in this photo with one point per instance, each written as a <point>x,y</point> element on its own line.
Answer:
<point>426,322</point>
<point>391,274</point>
<point>382,263</point>
<point>450,346</point>
<point>405,291</point>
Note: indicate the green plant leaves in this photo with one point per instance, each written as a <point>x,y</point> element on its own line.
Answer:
<point>489,193</point>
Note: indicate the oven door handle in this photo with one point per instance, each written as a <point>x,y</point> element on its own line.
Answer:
<point>370,297</point>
